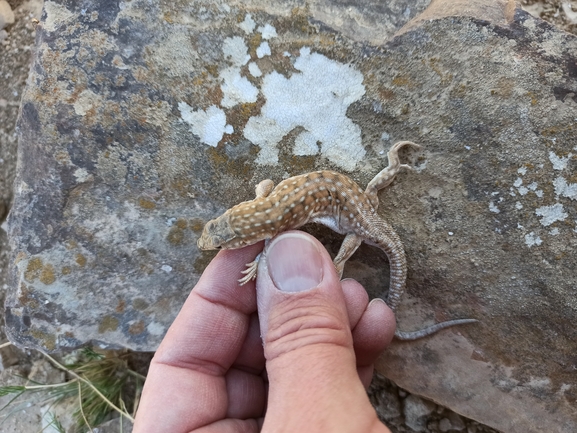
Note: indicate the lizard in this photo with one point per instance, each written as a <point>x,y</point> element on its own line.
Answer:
<point>331,199</point>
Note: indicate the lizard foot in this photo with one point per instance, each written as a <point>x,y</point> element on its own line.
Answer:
<point>250,271</point>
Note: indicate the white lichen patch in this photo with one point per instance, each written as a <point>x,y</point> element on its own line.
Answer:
<point>82,175</point>
<point>263,50</point>
<point>565,189</point>
<point>236,89</point>
<point>235,51</point>
<point>532,239</point>
<point>550,214</point>
<point>254,70</point>
<point>316,99</point>
<point>559,163</point>
<point>248,25</point>
<point>56,15</point>
<point>267,31</point>
<point>210,125</point>
<point>86,101</point>
<point>493,208</point>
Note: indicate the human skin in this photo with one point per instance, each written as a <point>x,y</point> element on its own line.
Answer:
<point>321,337</point>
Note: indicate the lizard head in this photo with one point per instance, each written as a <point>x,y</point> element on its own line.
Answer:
<point>218,234</point>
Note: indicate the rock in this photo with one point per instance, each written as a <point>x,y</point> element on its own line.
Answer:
<point>8,357</point>
<point>144,119</point>
<point>6,14</point>
<point>416,411</point>
<point>452,423</point>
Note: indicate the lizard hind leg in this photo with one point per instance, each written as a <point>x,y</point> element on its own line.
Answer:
<point>264,188</point>
<point>348,248</point>
<point>387,175</point>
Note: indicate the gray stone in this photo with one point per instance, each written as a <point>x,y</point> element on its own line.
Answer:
<point>144,119</point>
<point>416,411</point>
<point>6,14</point>
<point>453,422</point>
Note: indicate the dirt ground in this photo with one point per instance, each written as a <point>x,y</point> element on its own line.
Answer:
<point>16,46</point>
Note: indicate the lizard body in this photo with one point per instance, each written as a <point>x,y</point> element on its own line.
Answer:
<point>329,198</point>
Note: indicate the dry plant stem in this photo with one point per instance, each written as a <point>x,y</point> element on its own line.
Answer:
<point>81,409</point>
<point>77,376</point>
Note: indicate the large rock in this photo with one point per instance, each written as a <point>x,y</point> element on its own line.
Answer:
<point>144,119</point>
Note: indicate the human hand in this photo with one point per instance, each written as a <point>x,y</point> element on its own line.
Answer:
<point>320,344</point>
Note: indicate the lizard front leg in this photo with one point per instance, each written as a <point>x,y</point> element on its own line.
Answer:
<point>262,189</point>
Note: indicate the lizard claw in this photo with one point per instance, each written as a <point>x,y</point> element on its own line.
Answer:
<point>249,272</point>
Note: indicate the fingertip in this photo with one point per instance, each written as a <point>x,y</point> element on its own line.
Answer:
<point>356,299</point>
<point>374,332</point>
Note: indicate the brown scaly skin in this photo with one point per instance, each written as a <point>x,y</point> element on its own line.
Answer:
<point>328,198</point>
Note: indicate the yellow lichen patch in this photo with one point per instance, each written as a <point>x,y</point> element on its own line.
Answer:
<point>47,275</point>
<point>81,260</point>
<point>253,43</point>
<point>181,223</point>
<point>196,225</point>
<point>175,236</point>
<point>136,328</point>
<point>33,269</point>
<point>212,70</point>
<point>71,244</point>
<point>139,304</point>
<point>108,323</point>
<point>146,204</point>
<point>47,340</point>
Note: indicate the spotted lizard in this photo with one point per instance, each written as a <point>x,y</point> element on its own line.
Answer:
<point>328,198</point>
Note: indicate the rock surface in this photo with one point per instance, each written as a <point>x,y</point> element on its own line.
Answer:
<point>144,119</point>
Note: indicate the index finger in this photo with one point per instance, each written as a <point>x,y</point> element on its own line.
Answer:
<point>186,385</point>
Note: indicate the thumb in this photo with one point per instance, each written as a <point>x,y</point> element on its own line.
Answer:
<point>305,328</point>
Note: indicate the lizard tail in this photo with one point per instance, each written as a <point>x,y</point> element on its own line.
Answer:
<point>414,335</point>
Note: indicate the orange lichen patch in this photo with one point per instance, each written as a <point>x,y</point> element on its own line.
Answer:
<point>175,236</point>
<point>66,270</point>
<point>196,224</point>
<point>136,328</point>
<point>214,94</point>
<point>386,94</point>
<point>19,257</point>
<point>26,297</point>
<point>146,204</point>
<point>400,80</point>
<point>33,269</point>
<point>47,275</point>
<point>108,323</point>
<point>81,260</point>
<point>120,306</point>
